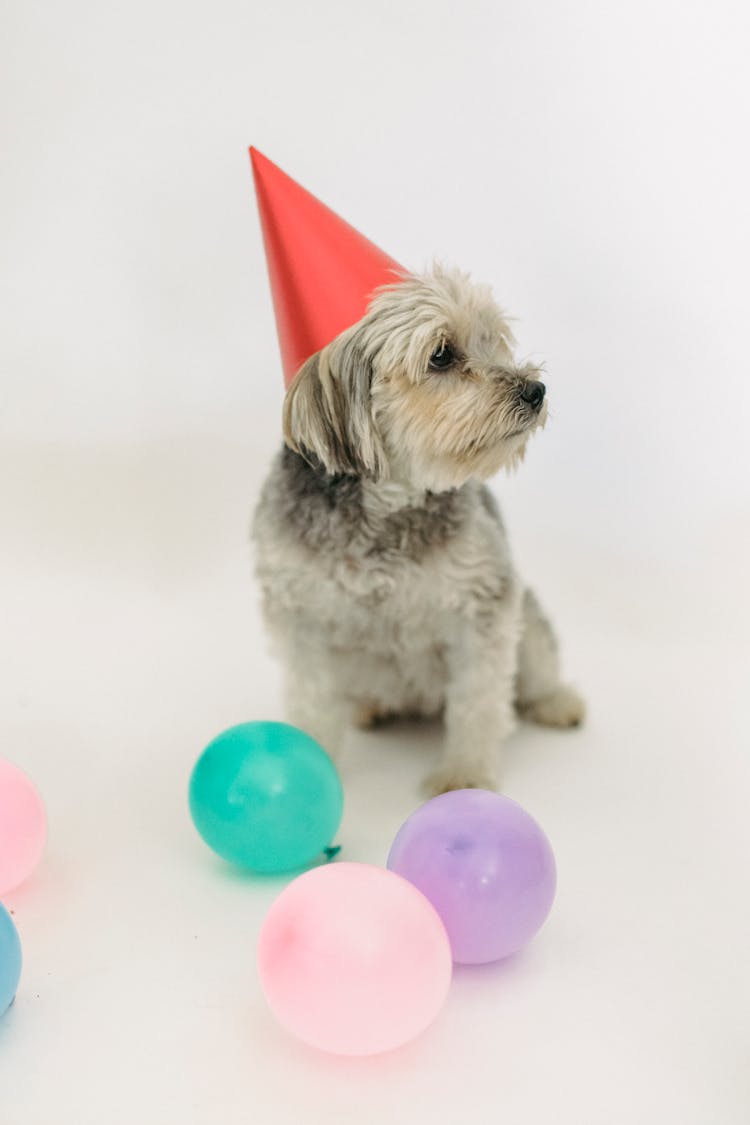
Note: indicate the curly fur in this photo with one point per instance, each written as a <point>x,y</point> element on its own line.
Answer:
<point>387,580</point>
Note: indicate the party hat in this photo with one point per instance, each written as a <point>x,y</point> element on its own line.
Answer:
<point>322,271</point>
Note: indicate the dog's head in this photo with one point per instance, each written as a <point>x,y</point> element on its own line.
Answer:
<point>423,390</point>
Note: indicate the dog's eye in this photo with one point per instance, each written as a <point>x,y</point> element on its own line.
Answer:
<point>442,358</point>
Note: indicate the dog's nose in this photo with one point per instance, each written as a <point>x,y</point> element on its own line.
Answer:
<point>533,393</point>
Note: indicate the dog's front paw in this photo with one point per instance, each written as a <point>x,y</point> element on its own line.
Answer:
<point>457,776</point>
<point>562,708</point>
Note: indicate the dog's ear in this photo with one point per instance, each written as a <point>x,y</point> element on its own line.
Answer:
<point>328,414</point>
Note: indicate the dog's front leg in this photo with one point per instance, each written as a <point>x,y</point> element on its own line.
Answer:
<point>313,699</point>
<point>479,700</point>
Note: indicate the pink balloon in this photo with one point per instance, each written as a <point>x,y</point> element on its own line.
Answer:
<point>23,826</point>
<point>353,959</point>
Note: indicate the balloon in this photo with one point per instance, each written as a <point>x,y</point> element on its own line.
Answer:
<point>10,960</point>
<point>484,864</point>
<point>23,826</point>
<point>265,796</point>
<point>353,960</point>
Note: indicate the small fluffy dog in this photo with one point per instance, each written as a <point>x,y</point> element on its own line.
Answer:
<point>387,579</point>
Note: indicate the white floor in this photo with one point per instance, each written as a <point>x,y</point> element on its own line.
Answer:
<point>131,637</point>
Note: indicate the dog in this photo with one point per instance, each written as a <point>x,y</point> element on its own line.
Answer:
<point>386,576</point>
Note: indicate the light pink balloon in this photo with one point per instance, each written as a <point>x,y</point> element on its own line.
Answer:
<point>23,826</point>
<point>353,959</point>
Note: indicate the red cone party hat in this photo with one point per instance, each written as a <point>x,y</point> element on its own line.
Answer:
<point>322,271</point>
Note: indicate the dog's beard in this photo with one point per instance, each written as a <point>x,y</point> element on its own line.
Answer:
<point>439,440</point>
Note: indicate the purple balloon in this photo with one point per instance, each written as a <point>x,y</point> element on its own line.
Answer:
<point>486,867</point>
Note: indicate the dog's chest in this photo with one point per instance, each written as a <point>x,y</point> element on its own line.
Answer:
<point>380,589</point>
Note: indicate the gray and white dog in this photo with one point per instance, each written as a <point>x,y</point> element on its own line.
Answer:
<point>387,579</point>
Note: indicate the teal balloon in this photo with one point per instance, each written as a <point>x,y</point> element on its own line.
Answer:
<point>266,796</point>
<point>10,960</point>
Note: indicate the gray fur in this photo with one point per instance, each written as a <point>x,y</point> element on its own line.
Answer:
<point>325,512</point>
<point>387,579</point>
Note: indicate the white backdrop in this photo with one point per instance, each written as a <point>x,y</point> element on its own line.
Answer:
<point>590,161</point>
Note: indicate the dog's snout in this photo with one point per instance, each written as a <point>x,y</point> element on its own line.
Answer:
<point>533,393</point>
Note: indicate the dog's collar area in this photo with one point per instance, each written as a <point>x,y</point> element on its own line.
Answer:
<point>384,497</point>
